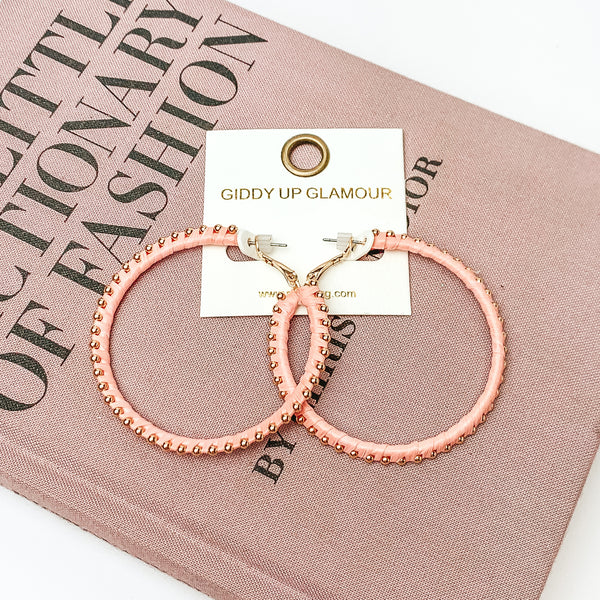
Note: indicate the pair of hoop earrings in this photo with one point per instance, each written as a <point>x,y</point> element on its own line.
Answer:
<point>294,395</point>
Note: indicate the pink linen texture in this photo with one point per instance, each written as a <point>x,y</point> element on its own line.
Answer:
<point>286,519</point>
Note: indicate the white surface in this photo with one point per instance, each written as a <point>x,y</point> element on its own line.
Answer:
<point>535,62</point>
<point>285,204</point>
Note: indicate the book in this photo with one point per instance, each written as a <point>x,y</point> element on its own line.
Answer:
<point>103,113</point>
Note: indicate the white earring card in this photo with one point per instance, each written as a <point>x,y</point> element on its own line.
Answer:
<point>361,188</point>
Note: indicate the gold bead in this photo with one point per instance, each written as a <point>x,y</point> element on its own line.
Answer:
<point>483,418</point>
<point>385,460</point>
<point>276,308</point>
<point>127,422</point>
<point>212,450</point>
<point>418,458</point>
<point>280,296</point>
<point>297,406</point>
<point>148,248</point>
<point>339,448</point>
<point>94,344</point>
<point>188,232</point>
<point>353,454</point>
<point>375,232</point>
<point>285,418</point>
<point>152,438</point>
<point>403,236</point>
<point>312,430</point>
<point>272,427</point>
<point>326,322</point>
<point>324,440</point>
<point>272,365</point>
<point>390,233</point>
<point>326,337</point>
<point>271,336</point>
<point>433,454</point>
<point>181,448</point>
<point>488,292</point>
<point>243,443</point>
<point>271,350</point>
<point>324,351</point>
<point>319,294</point>
<point>125,266</point>
<point>109,399</point>
<point>457,259</point>
<point>217,228</point>
<point>306,393</point>
<point>101,302</point>
<point>174,235</point>
<point>203,228</point>
<point>402,462</point>
<point>95,358</point>
<point>300,419</point>
<point>98,372</point>
<point>166,445</point>
<point>108,290</point>
<point>369,458</point>
<point>161,242</point>
<point>273,323</point>
<point>447,448</point>
<point>116,278</point>
<point>277,380</point>
<point>137,257</point>
<point>417,240</point>
<point>461,439</point>
<point>282,393</point>
<point>314,380</point>
<point>117,411</point>
<point>139,430</point>
<point>95,330</point>
<point>474,430</point>
<point>478,280</point>
<point>323,308</point>
<point>197,449</point>
<point>98,316</point>
<point>320,366</point>
<point>258,435</point>
<point>103,386</point>
<point>232,229</point>
<point>228,447</point>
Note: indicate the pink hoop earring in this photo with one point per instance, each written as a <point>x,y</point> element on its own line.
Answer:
<point>100,344</point>
<point>418,450</point>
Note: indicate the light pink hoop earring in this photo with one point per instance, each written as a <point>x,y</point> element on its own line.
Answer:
<point>100,344</point>
<point>418,450</point>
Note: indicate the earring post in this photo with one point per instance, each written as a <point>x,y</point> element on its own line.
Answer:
<point>252,242</point>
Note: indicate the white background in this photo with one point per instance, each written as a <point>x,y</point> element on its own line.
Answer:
<point>534,61</point>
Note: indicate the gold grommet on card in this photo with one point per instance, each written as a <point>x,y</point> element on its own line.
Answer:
<point>293,143</point>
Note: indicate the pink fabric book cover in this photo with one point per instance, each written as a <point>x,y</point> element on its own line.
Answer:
<point>103,113</point>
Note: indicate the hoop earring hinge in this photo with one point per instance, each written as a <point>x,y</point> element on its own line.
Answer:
<point>290,275</point>
<point>313,277</point>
